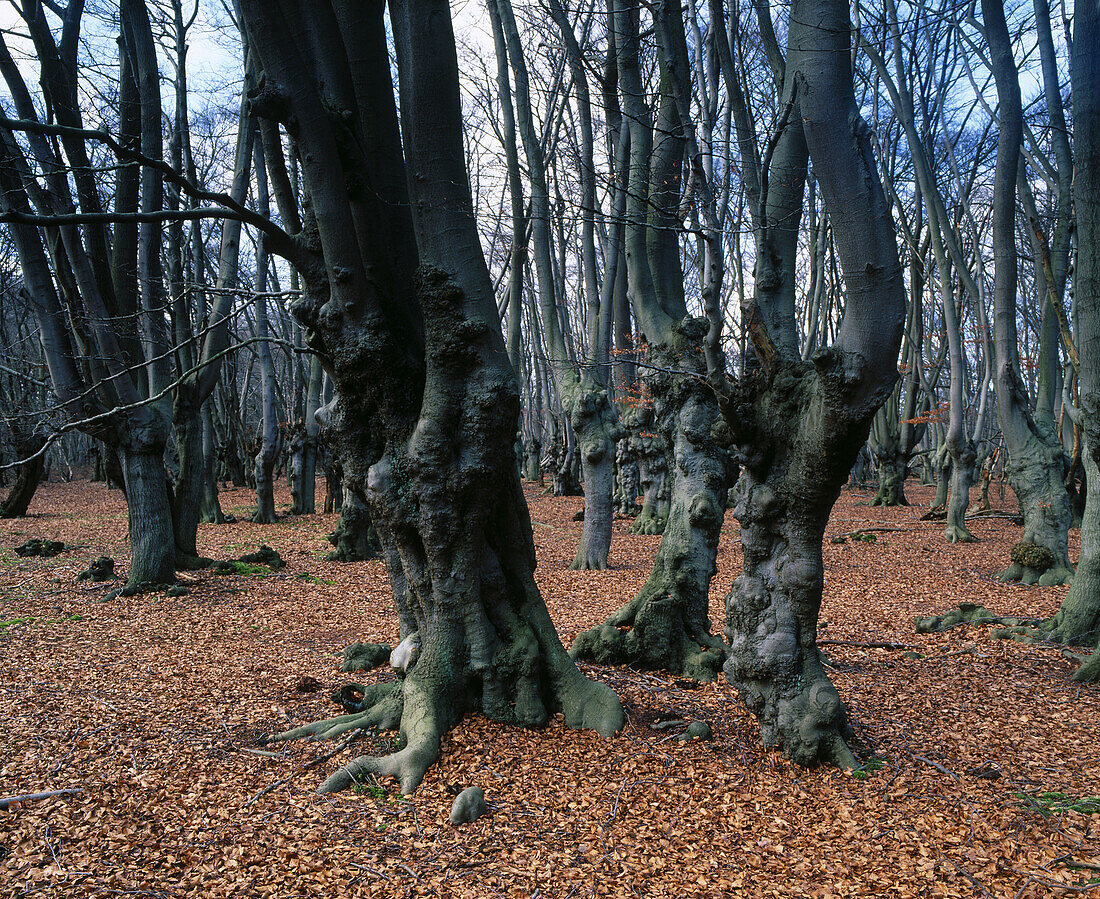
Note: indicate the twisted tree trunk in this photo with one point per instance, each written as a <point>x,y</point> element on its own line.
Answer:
<point>427,404</point>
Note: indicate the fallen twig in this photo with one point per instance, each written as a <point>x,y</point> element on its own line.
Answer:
<point>321,759</point>
<point>871,644</point>
<point>5,801</point>
<point>936,765</point>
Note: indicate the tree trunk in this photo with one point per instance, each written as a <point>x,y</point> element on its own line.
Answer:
<point>963,457</point>
<point>187,491</point>
<point>27,477</point>
<point>667,625</point>
<point>354,538</point>
<point>892,469</point>
<point>1078,620</point>
<point>627,484</point>
<point>592,421</point>
<point>211,511</point>
<point>802,452</point>
<point>152,545</point>
<point>799,426</point>
<point>427,403</point>
<point>1033,447</point>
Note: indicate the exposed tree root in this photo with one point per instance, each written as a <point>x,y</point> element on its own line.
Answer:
<point>958,533</point>
<point>643,632</point>
<point>1058,630</point>
<point>379,709</point>
<point>1054,576</point>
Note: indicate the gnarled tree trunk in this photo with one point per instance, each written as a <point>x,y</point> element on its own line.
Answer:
<point>426,401</point>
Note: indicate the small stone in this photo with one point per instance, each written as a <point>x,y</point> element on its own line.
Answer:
<point>469,805</point>
<point>911,655</point>
<point>696,730</point>
<point>406,653</point>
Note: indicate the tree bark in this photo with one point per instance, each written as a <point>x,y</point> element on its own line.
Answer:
<point>426,403</point>
<point>799,426</point>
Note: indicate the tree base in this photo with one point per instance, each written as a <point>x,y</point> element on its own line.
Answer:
<point>799,709</point>
<point>587,562</point>
<point>1028,576</point>
<point>958,533</point>
<point>648,523</point>
<point>643,633</point>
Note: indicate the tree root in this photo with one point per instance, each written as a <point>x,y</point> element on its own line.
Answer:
<point>1089,672</point>
<point>1054,576</point>
<point>641,633</point>
<point>379,709</point>
<point>588,562</point>
<point>958,533</point>
<point>1051,631</point>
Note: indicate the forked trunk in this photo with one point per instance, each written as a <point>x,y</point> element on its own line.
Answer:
<point>667,626</point>
<point>427,403</point>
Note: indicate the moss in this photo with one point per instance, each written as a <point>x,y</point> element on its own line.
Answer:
<point>1031,555</point>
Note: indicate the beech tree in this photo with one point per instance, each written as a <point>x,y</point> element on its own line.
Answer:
<point>398,300</point>
<point>799,425</point>
<point>1078,620</point>
<point>667,625</point>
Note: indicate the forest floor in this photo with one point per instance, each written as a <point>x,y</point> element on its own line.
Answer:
<point>984,754</point>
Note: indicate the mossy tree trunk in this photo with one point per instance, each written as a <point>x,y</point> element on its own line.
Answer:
<point>802,445</point>
<point>1033,447</point>
<point>355,539</point>
<point>628,485</point>
<point>798,426</point>
<point>667,625</point>
<point>421,360</point>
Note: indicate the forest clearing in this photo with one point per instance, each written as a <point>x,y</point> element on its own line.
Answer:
<point>984,756</point>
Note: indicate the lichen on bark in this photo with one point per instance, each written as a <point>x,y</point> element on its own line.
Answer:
<point>667,626</point>
<point>797,442</point>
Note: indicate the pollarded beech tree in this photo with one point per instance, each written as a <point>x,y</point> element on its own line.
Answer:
<point>1078,620</point>
<point>666,625</point>
<point>1035,456</point>
<point>398,300</point>
<point>799,425</point>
